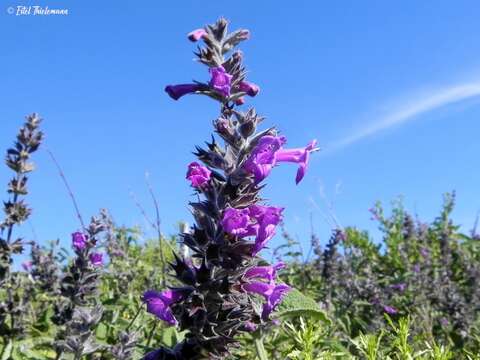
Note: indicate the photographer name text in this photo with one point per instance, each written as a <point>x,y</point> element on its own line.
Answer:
<point>35,10</point>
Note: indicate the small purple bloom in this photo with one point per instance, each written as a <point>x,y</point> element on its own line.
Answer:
<point>177,91</point>
<point>266,215</point>
<point>444,322</point>
<point>158,304</point>
<point>250,326</point>
<point>198,174</point>
<point>96,259</point>
<point>390,310</point>
<point>268,273</point>
<point>416,268</point>
<point>299,156</point>
<point>27,265</point>
<point>262,159</point>
<point>237,222</point>
<point>265,233</point>
<point>196,35</point>
<point>79,241</point>
<point>424,252</point>
<point>250,88</point>
<point>399,287</point>
<point>221,80</point>
<point>272,293</point>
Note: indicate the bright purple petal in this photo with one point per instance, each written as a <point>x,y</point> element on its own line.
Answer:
<point>196,35</point>
<point>177,91</point>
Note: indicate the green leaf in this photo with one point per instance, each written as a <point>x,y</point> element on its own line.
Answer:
<point>7,351</point>
<point>295,304</point>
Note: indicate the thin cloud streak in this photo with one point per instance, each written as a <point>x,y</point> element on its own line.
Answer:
<point>410,111</point>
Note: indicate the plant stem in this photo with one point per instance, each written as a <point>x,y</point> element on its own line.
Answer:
<point>261,352</point>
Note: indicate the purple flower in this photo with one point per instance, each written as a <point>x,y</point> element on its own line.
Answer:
<point>444,322</point>
<point>267,217</point>
<point>250,88</point>
<point>79,241</point>
<point>299,156</point>
<point>158,304</point>
<point>265,233</point>
<point>250,326</point>
<point>96,259</point>
<point>272,293</point>
<point>424,252</point>
<point>27,265</point>
<point>221,80</point>
<point>177,91</point>
<point>416,268</point>
<point>198,174</point>
<point>400,287</point>
<point>269,151</point>
<point>268,273</point>
<point>390,310</point>
<point>262,159</point>
<point>196,35</point>
<point>237,222</point>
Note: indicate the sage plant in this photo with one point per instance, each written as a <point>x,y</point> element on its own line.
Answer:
<point>227,287</point>
<point>79,309</point>
<point>16,212</point>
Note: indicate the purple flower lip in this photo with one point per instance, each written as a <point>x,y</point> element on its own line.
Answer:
<point>196,35</point>
<point>96,259</point>
<point>269,151</point>
<point>27,265</point>
<point>255,220</point>
<point>272,293</point>
<point>158,304</point>
<point>79,241</point>
<point>390,310</point>
<point>299,156</point>
<point>250,88</point>
<point>197,174</point>
<point>268,273</point>
<point>177,91</point>
<point>400,287</point>
<point>220,80</point>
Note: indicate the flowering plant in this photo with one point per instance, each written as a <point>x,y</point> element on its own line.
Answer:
<point>227,288</point>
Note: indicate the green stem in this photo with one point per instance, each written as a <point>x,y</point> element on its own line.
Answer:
<point>261,352</point>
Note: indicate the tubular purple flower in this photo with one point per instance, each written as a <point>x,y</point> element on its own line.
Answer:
<point>96,259</point>
<point>263,159</point>
<point>196,35</point>
<point>250,88</point>
<point>390,310</point>
<point>299,156</point>
<point>274,299</point>
<point>266,215</point>
<point>79,241</point>
<point>237,222</point>
<point>272,293</point>
<point>221,80</point>
<point>265,233</point>
<point>268,273</point>
<point>197,174</point>
<point>177,91</point>
<point>399,287</point>
<point>27,265</point>
<point>158,304</point>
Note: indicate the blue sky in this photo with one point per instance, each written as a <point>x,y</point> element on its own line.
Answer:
<point>389,89</point>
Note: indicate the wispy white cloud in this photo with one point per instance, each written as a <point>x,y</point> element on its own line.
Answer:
<point>410,111</point>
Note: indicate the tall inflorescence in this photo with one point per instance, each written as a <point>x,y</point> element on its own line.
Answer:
<point>227,287</point>
<point>78,310</point>
<point>16,212</point>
